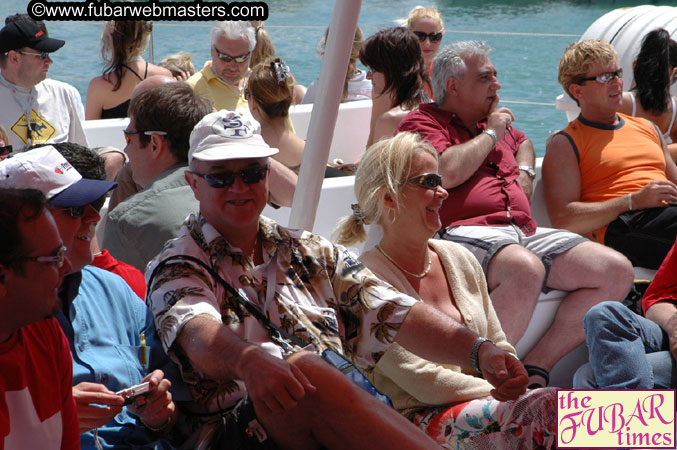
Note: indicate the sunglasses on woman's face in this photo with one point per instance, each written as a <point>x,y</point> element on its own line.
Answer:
<point>426,180</point>
<point>226,179</point>
<point>434,37</point>
<point>5,150</point>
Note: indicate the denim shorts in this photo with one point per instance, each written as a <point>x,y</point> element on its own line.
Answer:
<point>485,241</point>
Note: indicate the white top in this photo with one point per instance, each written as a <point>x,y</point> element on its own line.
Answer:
<point>666,135</point>
<point>54,108</point>
<point>359,88</point>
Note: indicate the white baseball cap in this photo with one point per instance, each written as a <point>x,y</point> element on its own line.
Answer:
<point>46,170</point>
<point>224,135</point>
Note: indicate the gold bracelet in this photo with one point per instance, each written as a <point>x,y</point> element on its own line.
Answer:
<point>630,201</point>
<point>162,427</point>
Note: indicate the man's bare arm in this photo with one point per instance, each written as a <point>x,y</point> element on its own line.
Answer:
<point>525,157</point>
<point>221,355</point>
<point>460,162</point>
<point>664,313</point>
<point>282,183</point>
<point>562,185</point>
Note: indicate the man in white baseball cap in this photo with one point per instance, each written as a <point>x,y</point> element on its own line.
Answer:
<point>228,262</point>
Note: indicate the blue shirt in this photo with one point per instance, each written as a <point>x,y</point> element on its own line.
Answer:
<point>104,328</point>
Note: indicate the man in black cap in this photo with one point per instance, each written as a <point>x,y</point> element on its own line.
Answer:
<point>35,109</point>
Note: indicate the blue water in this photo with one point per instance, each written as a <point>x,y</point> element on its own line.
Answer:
<point>527,64</point>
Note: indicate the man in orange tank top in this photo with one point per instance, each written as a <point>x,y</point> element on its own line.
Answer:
<point>607,175</point>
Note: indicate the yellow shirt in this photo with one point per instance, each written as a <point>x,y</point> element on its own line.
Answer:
<point>222,95</point>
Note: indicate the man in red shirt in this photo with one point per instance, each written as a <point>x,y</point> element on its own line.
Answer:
<point>487,167</point>
<point>37,409</point>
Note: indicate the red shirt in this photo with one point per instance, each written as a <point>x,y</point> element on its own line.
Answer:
<point>664,284</point>
<point>37,409</point>
<point>492,195</point>
<point>130,274</point>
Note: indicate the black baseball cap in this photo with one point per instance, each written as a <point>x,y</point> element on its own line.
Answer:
<point>22,33</point>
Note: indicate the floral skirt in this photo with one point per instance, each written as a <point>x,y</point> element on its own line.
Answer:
<point>488,424</point>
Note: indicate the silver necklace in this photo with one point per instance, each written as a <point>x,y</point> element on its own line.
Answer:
<point>415,275</point>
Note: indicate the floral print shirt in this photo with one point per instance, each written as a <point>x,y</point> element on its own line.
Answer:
<point>322,295</point>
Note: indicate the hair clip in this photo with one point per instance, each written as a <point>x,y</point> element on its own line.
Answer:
<point>281,71</point>
<point>357,212</point>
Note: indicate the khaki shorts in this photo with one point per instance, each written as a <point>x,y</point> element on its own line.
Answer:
<point>485,241</point>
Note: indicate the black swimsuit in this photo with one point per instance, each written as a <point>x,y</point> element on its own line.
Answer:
<point>120,111</point>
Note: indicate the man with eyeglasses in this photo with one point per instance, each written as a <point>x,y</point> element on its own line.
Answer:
<point>607,175</point>
<point>161,119</point>
<point>229,260</point>
<point>35,109</point>
<point>611,177</point>
<point>222,79</point>
<point>37,409</point>
<point>487,165</point>
<point>105,323</point>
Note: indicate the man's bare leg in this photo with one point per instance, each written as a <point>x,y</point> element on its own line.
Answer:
<point>338,415</point>
<point>592,273</point>
<point>515,278</point>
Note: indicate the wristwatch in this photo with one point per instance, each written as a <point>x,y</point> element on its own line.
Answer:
<point>529,170</point>
<point>492,135</point>
<point>475,352</point>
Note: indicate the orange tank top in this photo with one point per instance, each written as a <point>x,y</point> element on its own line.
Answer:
<point>615,160</point>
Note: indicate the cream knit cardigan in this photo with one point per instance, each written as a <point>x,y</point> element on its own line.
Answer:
<point>413,383</point>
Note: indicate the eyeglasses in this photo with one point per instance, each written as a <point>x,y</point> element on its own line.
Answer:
<point>603,78</point>
<point>434,37</point>
<point>226,179</point>
<point>43,55</point>
<point>227,58</point>
<point>129,133</point>
<point>426,180</point>
<point>58,258</point>
<point>5,150</point>
<point>74,211</point>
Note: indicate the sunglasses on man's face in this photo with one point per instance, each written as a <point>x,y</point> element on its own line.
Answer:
<point>227,58</point>
<point>43,55</point>
<point>128,134</point>
<point>5,150</point>
<point>604,78</point>
<point>426,180</point>
<point>226,179</point>
<point>434,37</point>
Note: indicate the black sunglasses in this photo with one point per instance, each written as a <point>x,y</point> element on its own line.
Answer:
<point>226,179</point>
<point>434,37</point>
<point>227,58</point>
<point>5,150</point>
<point>426,180</point>
<point>603,78</point>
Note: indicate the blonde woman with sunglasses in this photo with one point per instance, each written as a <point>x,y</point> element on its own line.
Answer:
<point>427,25</point>
<point>398,187</point>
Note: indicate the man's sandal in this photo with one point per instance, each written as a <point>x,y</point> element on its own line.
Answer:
<point>535,370</point>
